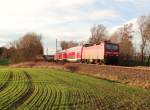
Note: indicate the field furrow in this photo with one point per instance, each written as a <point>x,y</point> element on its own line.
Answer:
<point>26,94</point>
<point>49,89</point>
<point>6,81</point>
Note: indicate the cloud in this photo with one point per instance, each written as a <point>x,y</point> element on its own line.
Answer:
<point>123,0</point>
<point>90,16</point>
<point>21,16</point>
<point>139,2</point>
<point>30,14</point>
<point>66,3</point>
<point>62,19</point>
<point>104,14</point>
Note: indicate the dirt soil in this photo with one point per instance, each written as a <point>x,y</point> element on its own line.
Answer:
<point>135,76</point>
<point>39,64</point>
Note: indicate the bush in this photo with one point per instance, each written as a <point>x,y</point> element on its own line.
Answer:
<point>72,68</point>
<point>27,48</point>
<point>4,62</point>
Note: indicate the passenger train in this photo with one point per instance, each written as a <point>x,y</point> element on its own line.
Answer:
<point>105,52</point>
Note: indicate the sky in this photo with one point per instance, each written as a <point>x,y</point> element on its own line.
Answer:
<point>64,19</point>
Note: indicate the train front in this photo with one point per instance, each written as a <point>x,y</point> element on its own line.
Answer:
<point>111,53</point>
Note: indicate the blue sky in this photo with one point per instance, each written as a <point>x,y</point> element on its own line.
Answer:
<point>64,19</point>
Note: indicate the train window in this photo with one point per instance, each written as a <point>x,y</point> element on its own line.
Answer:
<point>112,47</point>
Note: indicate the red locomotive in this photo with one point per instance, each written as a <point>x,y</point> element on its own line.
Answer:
<point>104,52</point>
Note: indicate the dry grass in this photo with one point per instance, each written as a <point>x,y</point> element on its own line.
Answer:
<point>135,76</point>
<point>38,64</point>
<point>129,75</point>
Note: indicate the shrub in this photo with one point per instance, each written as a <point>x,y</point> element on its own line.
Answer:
<point>72,68</point>
<point>27,48</point>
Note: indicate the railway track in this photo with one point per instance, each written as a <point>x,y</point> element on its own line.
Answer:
<point>113,66</point>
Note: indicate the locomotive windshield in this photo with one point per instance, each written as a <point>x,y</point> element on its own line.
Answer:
<point>113,47</point>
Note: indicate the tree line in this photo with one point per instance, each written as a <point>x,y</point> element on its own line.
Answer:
<point>27,48</point>
<point>129,54</point>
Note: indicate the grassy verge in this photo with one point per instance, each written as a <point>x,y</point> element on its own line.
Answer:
<point>132,76</point>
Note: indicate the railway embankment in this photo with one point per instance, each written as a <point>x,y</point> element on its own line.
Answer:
<point>134,76</point>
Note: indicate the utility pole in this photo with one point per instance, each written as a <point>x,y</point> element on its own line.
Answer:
<point>47,50</point>
<point>56,45</point>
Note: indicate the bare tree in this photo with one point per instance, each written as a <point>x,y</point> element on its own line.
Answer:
<point>126,47</point>
<point>144,28</point>
<point>115,37</point>
<point>64,45</point>
<point>124,38</point>
<point>98,34</point>
<point>148,52</point>
<point>68,44</point>
<point>29,47</point>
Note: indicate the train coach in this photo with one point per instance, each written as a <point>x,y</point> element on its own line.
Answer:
<point>105,52</point>
<point>71,55</point>
<point>60,56</point>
